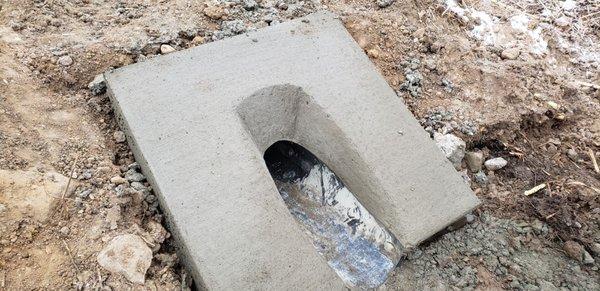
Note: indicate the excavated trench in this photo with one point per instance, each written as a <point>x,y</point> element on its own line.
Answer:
<point>360,250</point>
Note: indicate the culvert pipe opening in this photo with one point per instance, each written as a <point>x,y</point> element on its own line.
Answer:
<point>360,249</point>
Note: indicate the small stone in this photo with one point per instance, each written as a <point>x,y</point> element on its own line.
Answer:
<point>119,136</point>
<point>133,176</point>
<point>166,49</point>
<point>249,4</point>
<point>374,53</point>
<point>594,247</point>
<point>495,164</point>
<point>587,258</point>
<point>118,180</point>
<point>384,3</point>
<point>64,231</point>
<point>452,146</point>
<point>2,208</point>
<point>214,12</point>
<point>470,218</point>
<point>98,85</point>
<point>574,250</point>
<point>510,53</point>
<point>65,61</point>
<point>127,255</point>
<point>198,40</point>
<point>481,178</point>
<point>474,161</point>
<point>138,186</point>
<point>572,154</point>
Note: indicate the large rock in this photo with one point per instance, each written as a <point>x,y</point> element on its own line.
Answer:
<point>127,255</point>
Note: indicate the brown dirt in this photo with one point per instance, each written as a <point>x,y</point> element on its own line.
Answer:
<point>49,120</point>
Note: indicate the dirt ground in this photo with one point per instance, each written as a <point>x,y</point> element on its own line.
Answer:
<point>516,79</point>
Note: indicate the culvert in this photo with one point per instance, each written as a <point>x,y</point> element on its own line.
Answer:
<point>360,250</point>
<point>199,122</point>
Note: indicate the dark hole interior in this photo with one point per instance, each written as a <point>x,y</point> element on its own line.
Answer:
<point>360,250</point>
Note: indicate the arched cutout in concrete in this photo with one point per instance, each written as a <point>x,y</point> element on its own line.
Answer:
<point>360,250</point>
<point>286,112</point>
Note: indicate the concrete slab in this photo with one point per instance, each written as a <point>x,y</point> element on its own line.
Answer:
<point>200,120</point>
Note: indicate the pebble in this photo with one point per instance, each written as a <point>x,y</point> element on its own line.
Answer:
<point>587,258</point>
<point>481,178</point>
<point>119,136</point>
<point>452,146</point>
<point>510,53</point>
<point>166,49</point>
<point>118,180</point>
<point>133,176</point>
<point>214,12</point>
<point>495,164</point>
<point>2,208</point>
<point>65,61</point>
<point>249,4</point>
<point>64,231</point>
<point>574,250</point>
<point>127,255</point>
<point>474,161</point>
<point>572,154</point>
<point>98,85</point>
<point>384,3</point>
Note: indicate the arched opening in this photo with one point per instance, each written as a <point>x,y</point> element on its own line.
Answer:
<point>360,250</point>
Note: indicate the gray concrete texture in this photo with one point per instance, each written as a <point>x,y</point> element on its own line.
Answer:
<point>199,121</point>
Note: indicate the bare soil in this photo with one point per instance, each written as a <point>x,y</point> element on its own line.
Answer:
<point>539,111</point>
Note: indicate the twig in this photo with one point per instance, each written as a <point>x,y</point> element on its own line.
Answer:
<point>71,256</point>
<point>64,194</point>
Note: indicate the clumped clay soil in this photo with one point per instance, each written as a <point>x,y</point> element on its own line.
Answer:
<point>511,79</point>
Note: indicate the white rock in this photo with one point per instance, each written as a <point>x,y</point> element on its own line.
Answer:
<point>165,49</point>
<point>127,255</point>
<point>495,164</point>
<point>65,61</point>
<point>98,85</point>
<point>119,136</point>
<point>452,146</point>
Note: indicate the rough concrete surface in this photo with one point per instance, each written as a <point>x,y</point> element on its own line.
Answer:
<point>199,121</point>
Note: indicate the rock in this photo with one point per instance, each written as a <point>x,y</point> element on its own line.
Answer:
<point>495,164</point>
<point>64,231</point>
<point>594,247</point>
<point>587,258</point>
<point>510,53</point>
<point>98,85</point>
<point>166,49</point>
<point>2,208</point>
<point>572,154</point>
<point>65,61</point>
<point>127,255</point>
<point>118,180</point>
<point>384,3</point>
<point>133,176</point>
<point>574,250</point>
<point>452,146</point>
<point>481,178</point>
<point>138,186</point>
<point>214,12</point>
<point>233,26</point>
<point>249,4</point>
<point>474,161</point>
<point>119,136</point>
